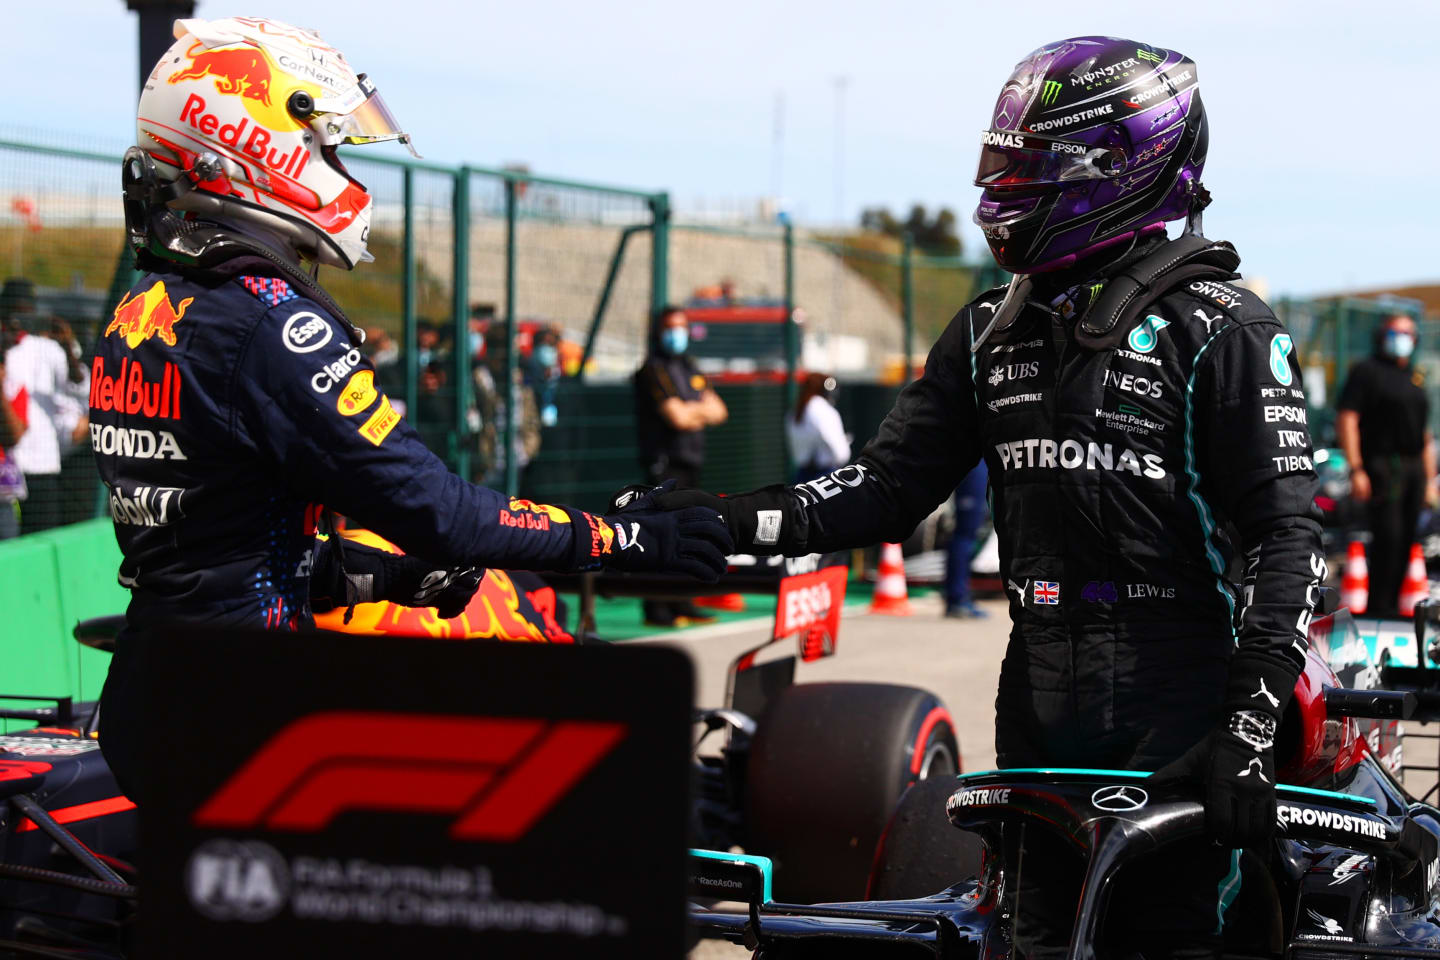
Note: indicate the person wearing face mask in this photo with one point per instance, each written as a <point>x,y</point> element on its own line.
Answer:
<point>1382,425</point>
<point>674,404</point>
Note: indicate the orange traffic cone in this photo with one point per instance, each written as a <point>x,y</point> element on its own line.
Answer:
<point>890,595</point>
<point>1415,586</point>
<point>730,602</point>
<point>1355,582</point>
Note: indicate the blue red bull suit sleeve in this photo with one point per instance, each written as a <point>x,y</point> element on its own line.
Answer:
<point>223,414</point>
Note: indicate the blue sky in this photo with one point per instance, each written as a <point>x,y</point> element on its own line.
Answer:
<point>1325,135</point>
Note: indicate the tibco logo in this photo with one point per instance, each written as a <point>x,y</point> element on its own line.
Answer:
<point>1046,454</point>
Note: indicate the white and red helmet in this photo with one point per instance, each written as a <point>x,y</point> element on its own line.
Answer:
<point>272,102</point>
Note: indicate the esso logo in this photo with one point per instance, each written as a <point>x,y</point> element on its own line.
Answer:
<point>806,605</point>
<point>305,332</point>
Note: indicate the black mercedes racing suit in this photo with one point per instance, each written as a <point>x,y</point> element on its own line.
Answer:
<point>226,407</point>
<point>1115,473</point>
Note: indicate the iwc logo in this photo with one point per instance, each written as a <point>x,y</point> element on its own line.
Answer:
<point>237,880</point>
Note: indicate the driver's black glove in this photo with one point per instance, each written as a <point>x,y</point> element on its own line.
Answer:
<point>689,539</point>
<point>1234,766</point>
<point>770,520</point>
<point>346,574</point>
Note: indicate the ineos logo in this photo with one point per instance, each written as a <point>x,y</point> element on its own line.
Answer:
<point>305,332</point>
<point>1119,799</point>
<point>237,880</point>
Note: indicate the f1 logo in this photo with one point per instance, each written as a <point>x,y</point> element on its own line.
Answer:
<point>499,775</point>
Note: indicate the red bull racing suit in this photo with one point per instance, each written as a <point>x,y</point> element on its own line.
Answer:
<point>225,408</point>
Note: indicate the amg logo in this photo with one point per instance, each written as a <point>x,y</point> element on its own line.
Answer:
<point>982,796</point>
<point>1330,819</point>
<point>1046,454</point>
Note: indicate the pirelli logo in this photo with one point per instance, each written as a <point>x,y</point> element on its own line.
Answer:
<point>380,423</point>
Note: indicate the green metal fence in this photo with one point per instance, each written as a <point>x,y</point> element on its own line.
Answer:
<point>468,255</point>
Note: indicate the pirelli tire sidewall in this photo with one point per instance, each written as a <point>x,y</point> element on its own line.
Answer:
<point>827,767</point>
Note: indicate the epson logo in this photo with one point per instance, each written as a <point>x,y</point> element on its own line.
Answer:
<point>1283,413</point>
<point>1046,454</point>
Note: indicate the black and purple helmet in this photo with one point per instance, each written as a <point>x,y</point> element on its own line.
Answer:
<point>1094,141</point>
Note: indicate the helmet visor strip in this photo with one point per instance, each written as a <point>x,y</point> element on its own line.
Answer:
<point>1026,160</point>
<point>368,120</point>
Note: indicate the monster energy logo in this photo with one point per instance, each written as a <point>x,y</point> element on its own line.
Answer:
<point>1050,92</point>
<point>1147,55</point>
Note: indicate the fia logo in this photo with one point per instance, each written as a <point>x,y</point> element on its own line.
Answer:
<point>1146,336</point>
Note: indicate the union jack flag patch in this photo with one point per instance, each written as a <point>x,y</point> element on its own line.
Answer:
<point>1047,591</point>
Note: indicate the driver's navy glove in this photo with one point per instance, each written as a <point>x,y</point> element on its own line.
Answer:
<point>770,520</point>
<point>1235,764</point>
<point>692,540</point>
<point>354,573</point>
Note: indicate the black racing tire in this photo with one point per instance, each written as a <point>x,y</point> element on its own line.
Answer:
<point>828,764</point>
<point>922,852</point>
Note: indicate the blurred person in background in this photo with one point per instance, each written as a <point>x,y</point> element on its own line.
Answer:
<point>231,398</point>
<point>674,405</point>
<point>488,372</point>
<point>1143,424</point>
<point>12,481</point>
<point>815,431</point>
<point>542,373</point>
<point>77,460</point>
<point>1383,429</point>
<point>384,353</point>
<point>38,370</point>
<point>970,509</point>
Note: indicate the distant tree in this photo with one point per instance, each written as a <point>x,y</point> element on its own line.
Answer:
<point>936,236</point>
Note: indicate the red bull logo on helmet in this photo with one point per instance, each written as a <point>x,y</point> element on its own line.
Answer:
<point>150,314</point>
<point>241,70</point>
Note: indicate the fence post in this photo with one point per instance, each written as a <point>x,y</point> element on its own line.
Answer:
<point>907,298</point>
<point>407,304</point>
<point>659,252</point>
<point>792,345</point>
<point>507,436</point>
<point>460,435</point>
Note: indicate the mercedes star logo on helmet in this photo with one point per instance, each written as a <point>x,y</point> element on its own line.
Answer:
<point>1119,799</point>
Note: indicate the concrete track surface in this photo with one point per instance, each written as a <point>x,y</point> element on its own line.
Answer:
<point>959,660</point>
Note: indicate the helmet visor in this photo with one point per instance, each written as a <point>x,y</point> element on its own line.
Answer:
<point>1025,159</point>
<point>369,120</point>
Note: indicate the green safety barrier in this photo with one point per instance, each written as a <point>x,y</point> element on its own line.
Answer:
<point>52,581</point>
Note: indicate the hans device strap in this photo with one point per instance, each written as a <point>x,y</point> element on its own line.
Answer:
<point>1134,288</point>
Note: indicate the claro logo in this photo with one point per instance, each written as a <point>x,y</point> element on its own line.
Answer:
<point>498,776</point>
